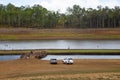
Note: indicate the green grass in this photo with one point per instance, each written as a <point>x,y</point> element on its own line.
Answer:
<point>84,50</point>
<point>56,36</point>
<point>63,51</point>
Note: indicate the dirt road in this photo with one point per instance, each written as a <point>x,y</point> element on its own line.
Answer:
<point>33,69</point>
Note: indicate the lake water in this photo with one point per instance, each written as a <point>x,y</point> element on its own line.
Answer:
<point>60,57</point>
<point>60,44</point>
<point>9,57</point>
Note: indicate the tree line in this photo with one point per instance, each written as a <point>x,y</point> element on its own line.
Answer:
<point>75,17</point>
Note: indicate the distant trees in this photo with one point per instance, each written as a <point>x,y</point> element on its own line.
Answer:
<point>94,18</point>
<point>26,16</point>
<point>75,17</point>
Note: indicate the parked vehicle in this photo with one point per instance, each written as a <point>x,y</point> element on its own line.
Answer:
<point>68,61</point>
<point>53,61</point>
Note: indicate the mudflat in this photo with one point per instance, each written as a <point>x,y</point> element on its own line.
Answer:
<point>42,34</point>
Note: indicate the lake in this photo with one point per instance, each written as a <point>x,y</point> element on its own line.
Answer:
<point>9,57</point>
<point>60,57</point>
<point>60,44</point>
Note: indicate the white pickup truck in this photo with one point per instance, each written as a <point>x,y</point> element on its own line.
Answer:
<point>68,61</point>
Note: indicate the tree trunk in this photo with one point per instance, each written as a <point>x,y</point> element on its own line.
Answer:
<point>103,23</point>
<point>114,23</point>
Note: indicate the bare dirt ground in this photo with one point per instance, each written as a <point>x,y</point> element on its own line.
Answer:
<point>34,69</point>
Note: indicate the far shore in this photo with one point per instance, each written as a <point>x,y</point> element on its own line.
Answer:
<point>13,34</point>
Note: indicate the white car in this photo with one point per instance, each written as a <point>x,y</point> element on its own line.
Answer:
<point>68,61</point>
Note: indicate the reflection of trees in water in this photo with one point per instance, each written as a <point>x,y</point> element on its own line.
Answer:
<point>8,47</point>
<point>64,44</point>
<point>97,46</point>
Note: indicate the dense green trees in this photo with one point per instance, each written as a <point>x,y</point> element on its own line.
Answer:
<point>94,18</point>
<point>75,17</point>
<point>35,16</point>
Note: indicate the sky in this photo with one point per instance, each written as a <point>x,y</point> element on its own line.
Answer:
<point>62,5</point>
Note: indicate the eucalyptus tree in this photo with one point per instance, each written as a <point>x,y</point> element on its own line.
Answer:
<point>76,17</point>
<point>10,14</point>
<point>61,20</point>
<point>116,17</point>
<point>27,17</point>
<point>2,12</point>
<point>51,20</point>
<point>75,12</point>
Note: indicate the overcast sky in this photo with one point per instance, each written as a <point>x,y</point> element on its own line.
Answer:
<point>62,5</point>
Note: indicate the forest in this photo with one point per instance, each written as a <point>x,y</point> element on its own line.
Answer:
<point>75,17</point>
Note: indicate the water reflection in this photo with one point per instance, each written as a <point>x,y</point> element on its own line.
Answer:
<point>60,57</point>
<point>9,57</point>
<point>60,44</point>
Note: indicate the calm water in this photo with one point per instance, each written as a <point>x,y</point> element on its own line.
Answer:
<point>9,57</point>
<point>60,57</point>
<point>60,44</point>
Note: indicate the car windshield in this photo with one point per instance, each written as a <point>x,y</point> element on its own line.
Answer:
<point>53,59</point>
<point>70,58</point>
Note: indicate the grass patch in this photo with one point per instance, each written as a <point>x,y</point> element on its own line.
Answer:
<point>84,50</point>
<point>66,51</point>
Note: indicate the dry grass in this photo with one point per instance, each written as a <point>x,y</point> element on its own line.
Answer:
<point>87,76</point>
<point>39,34</point>
<point>34,69</point>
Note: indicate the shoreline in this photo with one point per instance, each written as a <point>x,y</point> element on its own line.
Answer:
<point>60,39</point>
<point>19,34</point>
<point>64,51</point>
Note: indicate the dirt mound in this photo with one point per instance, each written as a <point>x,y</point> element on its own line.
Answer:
<point>32,55</point>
